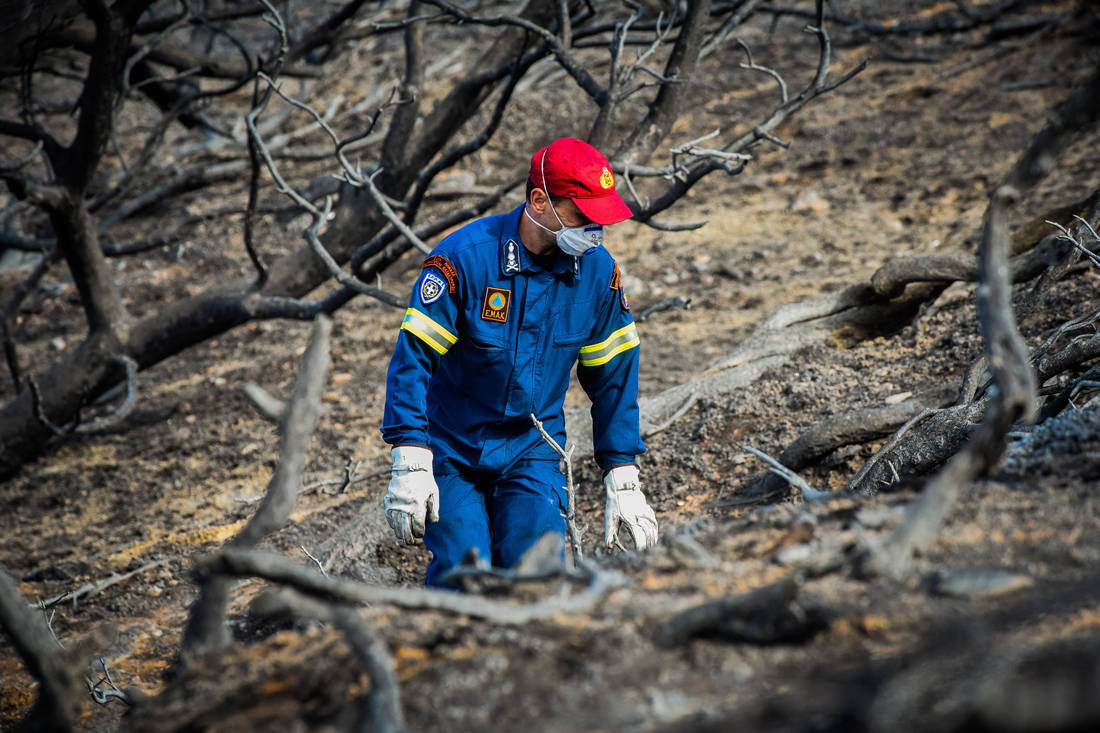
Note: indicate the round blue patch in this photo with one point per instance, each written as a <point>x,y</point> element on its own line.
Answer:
<point>432,287</point>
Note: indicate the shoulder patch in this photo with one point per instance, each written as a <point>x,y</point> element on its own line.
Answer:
<point>617,284</point>
<point>432,287</point>
<point>444,265</point>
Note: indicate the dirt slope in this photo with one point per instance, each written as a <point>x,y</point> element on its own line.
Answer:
<point>899,161</point>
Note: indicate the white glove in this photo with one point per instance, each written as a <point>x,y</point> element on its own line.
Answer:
<point>627,508</point>
<point>413,495</point>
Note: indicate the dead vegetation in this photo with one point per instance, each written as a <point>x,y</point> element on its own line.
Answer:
<point>942,575</point>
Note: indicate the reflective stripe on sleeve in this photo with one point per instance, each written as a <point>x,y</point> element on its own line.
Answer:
<point>428,331</point>
<point>622,340</point>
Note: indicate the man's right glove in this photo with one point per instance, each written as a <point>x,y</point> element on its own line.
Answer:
<point>413,495</point>
<point>627,508</point>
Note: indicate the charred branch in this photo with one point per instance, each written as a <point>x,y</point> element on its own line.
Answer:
<point>890,280</point>
<point>58,671</point>
<point>206,630</point>
<point>1009,360</point>
<point>667,106</point>
<point>182,60</point>
<point>947,21</point>
<point>767,615</point>
<point>852,428</point>
<point>382,708</point>
<point>236,562</point>
<point>561,53</point>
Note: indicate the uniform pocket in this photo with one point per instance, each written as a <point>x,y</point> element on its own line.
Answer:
<point>485,373</point>
<point>572,323</point>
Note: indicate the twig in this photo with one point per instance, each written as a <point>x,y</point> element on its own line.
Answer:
<point>314,559</point>
<point>269,406</point>
<point>571,513</point>
<point>350,174</point>
<point>112,692</point>
<point>1093,258</point>
<point>664,305</point>
<point>680,411</point>
<point>123,409</point>
<point>752,66</point>
<point>808,492</point>
<point>91,589</point>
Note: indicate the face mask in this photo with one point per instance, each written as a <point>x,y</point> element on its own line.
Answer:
<point>574,241</point>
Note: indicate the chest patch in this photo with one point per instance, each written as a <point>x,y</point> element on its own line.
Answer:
<point>495,304</point>
<point>432,288</point>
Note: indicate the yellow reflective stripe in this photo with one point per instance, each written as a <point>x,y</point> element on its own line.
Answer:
<point>428,331</point>
<point>622,340</point>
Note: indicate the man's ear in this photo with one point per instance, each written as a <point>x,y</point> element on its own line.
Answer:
<point>539,200</point>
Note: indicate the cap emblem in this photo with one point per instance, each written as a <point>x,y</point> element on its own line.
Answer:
<point>606,179</point>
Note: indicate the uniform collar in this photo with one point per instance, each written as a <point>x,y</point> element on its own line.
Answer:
<point>514,257</point>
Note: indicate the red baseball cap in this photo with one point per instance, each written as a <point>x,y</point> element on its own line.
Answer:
<point>575,169</point>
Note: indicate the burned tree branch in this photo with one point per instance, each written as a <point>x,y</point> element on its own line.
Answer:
<point>1008,357</point>
<point>766,615</point>
<point>383,705</point>
<point>238,562</point>
<point>851,428</point>
<point>561,53</point>
<point>776,468</point>
<point>206,630</point>
<point>58,672</point>
<point>890,280</point>
<point>571,494</point>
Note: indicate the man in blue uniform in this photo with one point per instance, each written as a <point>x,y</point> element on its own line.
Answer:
<point>502,310</point>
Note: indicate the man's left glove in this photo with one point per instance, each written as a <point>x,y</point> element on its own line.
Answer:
<point>413,496</point>
<point>627,508</point>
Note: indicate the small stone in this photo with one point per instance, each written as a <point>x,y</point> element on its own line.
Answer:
<point>794,554</point>
<point>899,397</point>
<point>809,201</point>
<point>976,582</point>
<point>880,517</point>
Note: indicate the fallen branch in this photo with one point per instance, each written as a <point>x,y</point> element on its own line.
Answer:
<point>765,615</point>
<point>850,428</point>
<point>777,468</point>
<point>243,563</point>
<point>91,589</point>
<point>1009,360</point>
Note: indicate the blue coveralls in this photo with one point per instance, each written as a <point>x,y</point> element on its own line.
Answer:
<point>489,338</point>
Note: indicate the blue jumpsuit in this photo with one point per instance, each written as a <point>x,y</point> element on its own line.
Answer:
<point>490,337</point>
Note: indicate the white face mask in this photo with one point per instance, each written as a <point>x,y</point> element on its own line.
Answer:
<point>574,241</point>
